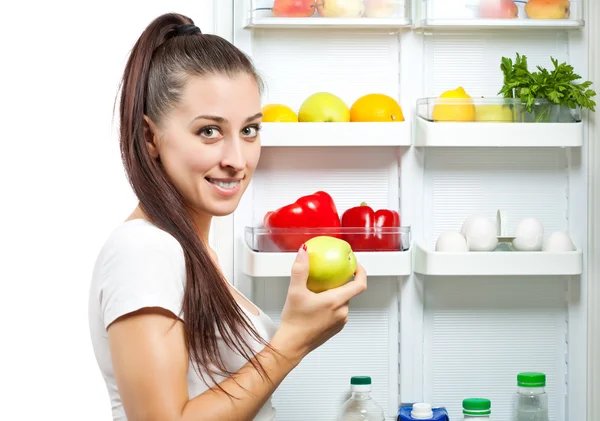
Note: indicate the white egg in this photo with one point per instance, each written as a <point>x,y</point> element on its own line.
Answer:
<point>466,223</point>
<point>529,228</point>
<point>528,243</point>
<point>557,242</point>
<point>451,242</point>
<point>481,234</point>
<point>529,235</point>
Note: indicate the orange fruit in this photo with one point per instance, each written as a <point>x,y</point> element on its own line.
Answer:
<point>376,108</point>
<point>278,113</point>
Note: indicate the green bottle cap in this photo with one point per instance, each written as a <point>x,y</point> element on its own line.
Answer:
<point>528,379</point>
<point>477,407</point>
<point>360,380</point>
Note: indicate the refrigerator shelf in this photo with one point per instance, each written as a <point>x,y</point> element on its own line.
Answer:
<point>335,134</point>
<point>482,14</point>
<point>496,122</point>
<point>319,22</point>
<point>278,265</point>
<point>502,263</point>
<point>514,135</point>
<point>349,14</point>
<point>469,24</point>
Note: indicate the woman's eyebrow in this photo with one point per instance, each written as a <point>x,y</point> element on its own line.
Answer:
<point>224,120</point>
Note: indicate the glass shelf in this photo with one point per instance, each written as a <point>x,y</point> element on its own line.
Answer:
<point>494,109</point>
<point>456,14</point>
<point>383,14</point>
<point>270,240</point>
<point>496,122</point>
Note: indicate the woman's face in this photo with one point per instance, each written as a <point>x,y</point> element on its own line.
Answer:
<point>209,144</point>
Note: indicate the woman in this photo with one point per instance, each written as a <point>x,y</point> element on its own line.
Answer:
<point>174,341</point>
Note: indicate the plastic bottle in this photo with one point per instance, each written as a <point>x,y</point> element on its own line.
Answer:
<point>360,406</point>
<point>476,409</point>
<point>531,400</point>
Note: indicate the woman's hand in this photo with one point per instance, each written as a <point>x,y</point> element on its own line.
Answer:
<point>310,319</point>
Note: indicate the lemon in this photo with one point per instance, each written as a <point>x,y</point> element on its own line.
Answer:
<point>278,113</point>
<point>461,110</point>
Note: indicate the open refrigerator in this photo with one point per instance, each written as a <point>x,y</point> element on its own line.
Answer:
<point>433,326</point>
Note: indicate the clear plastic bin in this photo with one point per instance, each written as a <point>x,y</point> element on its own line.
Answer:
<point>349,9</point>
<point>486,110</point>
<point>262,239</point>
<point>542,11</point>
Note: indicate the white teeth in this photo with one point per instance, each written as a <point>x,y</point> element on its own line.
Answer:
<point>225,184</point>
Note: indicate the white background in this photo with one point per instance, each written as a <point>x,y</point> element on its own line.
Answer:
<point>63,190</point>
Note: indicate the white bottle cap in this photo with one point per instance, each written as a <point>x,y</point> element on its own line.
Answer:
<point>421,411</point>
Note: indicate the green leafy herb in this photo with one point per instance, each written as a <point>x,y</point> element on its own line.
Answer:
<point>555,86</point>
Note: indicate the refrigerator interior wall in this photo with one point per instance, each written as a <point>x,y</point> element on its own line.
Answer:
<point>425,338</point>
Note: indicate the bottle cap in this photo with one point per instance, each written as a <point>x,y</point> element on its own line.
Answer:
<point>528,379</point>
<point>360,380</point>
<point>477,407</point>
<point>421,411</point>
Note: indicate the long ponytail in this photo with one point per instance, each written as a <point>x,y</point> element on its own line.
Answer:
<point>151,84</point>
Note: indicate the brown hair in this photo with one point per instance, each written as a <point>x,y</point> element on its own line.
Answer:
<point>161,62</point>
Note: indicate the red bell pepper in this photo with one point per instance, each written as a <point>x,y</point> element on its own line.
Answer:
<point>374,238</point>
<point>313,211</point>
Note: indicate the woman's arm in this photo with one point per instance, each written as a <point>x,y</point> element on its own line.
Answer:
<point>151,363</point>
<point>150,359</point>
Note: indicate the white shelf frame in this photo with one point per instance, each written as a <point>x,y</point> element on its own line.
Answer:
<point>336,134</point>
<point>461,24</point>
<point>482,134</point>
<point>498,263</point>
<point>278,265</point>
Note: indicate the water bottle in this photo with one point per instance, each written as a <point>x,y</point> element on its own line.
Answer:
<point>360,406</point>
<point>476,409</point>
<point>531,401</point>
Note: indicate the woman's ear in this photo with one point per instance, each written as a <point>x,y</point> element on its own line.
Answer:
<point>151,137</point>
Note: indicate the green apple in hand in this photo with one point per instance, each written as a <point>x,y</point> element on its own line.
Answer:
<point>331,263</point>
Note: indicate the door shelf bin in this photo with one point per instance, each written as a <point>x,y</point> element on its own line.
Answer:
<point>276,265</point>
<point>271,252</point>
<point>507,263</point>
<point>496,122</point>
<point>500,14</point>
<point>375,14</point>
<point>335,134</point>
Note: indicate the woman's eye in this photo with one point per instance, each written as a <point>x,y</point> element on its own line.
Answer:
<point>250,131</point>
<point>210,132</point>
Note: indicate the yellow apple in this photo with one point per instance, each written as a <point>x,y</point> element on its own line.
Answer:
<point>331,263</point>
<point>495,113</point>
<point>340,8</point>
<point>323,107</point>
<point>381,8</point>
<point>548,9</point>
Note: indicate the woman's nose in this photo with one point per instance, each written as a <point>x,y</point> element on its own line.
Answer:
<point>233,155</point>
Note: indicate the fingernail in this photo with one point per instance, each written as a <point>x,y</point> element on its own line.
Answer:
<point>304,247</point>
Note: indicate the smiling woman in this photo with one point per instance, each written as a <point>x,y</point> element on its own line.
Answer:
<point>173,339</point>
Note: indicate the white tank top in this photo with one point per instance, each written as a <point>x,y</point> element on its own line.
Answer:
<point>140,266</point>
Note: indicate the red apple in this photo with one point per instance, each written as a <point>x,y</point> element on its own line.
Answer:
<point>498,9</point>
<point>293,8</point>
